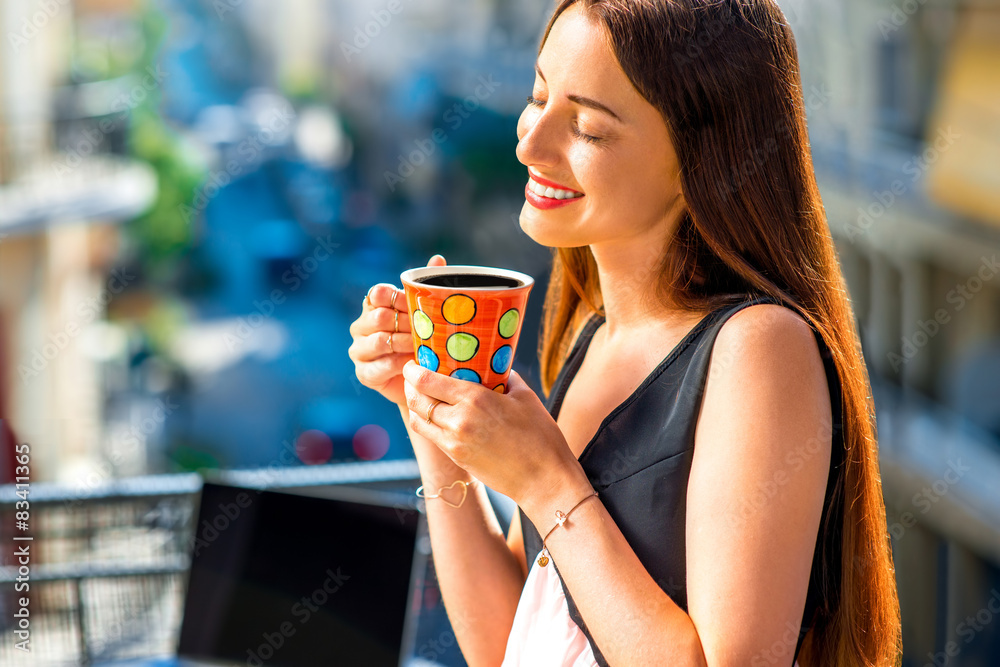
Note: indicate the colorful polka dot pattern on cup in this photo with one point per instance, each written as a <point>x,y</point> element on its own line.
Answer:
<point>427,358</point>
<point>422,325</point>
<point>462,346</point>
<point>468,333</point>
<point>466,374</point>
<point>501,359</point>
<point>509,322</point>
<point>458,309</point>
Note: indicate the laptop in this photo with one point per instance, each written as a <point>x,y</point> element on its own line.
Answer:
<point>325,576</point>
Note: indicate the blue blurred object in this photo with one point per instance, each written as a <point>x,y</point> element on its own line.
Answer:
<point>277,240</point>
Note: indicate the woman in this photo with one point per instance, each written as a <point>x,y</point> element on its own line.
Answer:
<point>702,366</point>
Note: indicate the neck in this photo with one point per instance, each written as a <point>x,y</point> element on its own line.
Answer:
<point>629,275</point>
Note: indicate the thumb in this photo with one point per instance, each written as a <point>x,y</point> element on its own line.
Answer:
<point>436,260</point>
<point>516,384</point>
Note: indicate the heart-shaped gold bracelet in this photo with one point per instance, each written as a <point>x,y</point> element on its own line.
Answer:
<point>458,482</point>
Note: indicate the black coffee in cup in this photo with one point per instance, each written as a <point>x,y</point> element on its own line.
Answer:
<point>469,281</point>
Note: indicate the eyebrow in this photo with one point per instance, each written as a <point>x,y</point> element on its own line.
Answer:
<point>584,101</point>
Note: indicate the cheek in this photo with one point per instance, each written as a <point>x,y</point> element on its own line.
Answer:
<point>597,172</point>
<point>626,196</point>
<point>640,184</point>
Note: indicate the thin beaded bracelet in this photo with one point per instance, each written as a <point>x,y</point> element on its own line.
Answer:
<point>543,557</point>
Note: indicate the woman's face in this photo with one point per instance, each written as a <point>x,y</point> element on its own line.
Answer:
<point>588,130</point>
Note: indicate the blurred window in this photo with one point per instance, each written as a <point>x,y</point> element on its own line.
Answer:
<point>962,174</point>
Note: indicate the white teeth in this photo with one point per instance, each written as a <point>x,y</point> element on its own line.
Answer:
<point>551,193</point>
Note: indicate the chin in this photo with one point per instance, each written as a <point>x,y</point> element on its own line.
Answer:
<point>545,230</point>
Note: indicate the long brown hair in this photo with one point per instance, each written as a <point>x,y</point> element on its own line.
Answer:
<point>724,75</point>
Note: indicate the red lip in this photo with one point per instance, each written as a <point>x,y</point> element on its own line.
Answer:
<point>545,202</point>
<point>551,184</point>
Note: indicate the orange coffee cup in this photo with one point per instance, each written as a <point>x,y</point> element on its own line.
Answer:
<point>466,320</point>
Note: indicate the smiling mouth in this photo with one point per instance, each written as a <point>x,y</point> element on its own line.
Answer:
<point>551,193</point>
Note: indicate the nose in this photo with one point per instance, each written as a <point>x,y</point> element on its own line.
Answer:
<point>537,142</point>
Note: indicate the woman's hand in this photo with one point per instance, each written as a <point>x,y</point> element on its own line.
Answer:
<point>378,364</point>
<point>508,441</point>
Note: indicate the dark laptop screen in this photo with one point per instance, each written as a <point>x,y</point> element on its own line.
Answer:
<point>286,579</point>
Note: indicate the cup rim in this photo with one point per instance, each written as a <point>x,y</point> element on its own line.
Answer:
<point>411,275</point>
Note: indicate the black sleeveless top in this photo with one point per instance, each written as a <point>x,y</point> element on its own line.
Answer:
<point>640,457</point>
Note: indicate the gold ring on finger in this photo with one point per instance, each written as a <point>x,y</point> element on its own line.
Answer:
<point>395,321</point>
<point>388,339</point>
<point>430,410</point>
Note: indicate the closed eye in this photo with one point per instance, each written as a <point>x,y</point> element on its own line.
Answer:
<point>576,130</point>
<point>586,137</point>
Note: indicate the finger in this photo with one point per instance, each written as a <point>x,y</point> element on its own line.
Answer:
<point>377,373</point>
<point>516,383</point>
<point>366,301</point>
<point>436,260</point>
<point>437,385</point>
<point>381,319</point>
<point>520,390</point>
<point>420,406</point>
<point>376,345</point>
<point>397,320</point>
<point>385,295</point>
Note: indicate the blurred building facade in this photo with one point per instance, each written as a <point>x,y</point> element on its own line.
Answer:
<point>62,192</point>
<point>904,107</point>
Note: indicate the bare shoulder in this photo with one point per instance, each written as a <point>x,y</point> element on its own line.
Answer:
<point>770,331</point>
<point>766,365</point>
<point>767,344</point>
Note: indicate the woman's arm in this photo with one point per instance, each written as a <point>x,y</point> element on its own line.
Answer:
<point>763,432</point>
<point>515,542</point>
<point>480,577</point>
